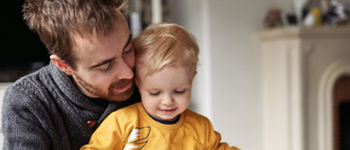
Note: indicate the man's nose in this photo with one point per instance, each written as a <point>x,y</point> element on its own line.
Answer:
<point>123,70</point>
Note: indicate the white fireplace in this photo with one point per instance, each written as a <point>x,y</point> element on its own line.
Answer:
<point>300,68</point>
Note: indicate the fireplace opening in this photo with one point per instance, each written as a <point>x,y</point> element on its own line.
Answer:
<point>345,126</point>
<point>341,114</point>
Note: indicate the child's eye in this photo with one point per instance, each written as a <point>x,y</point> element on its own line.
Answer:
<point>180,92</point>
<point>153,93</point>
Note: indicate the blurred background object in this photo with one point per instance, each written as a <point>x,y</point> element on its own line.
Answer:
<point>314,18</point>
<point>333,13</point>
<point>142,13</point>
<point>21,51</point>
<point>290,19</point>
<point>273,18</point>
<point>312,13</point>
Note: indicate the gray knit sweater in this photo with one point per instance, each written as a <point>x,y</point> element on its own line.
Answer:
<point>44,110</point>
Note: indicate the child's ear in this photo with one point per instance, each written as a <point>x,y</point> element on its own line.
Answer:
<point>194,74</point>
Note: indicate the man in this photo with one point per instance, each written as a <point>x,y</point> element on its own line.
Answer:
<point>89,76</point>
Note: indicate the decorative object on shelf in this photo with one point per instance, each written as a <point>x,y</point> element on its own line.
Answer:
<point>289,19</point>
<point>326,13</point>
<point>273,18</point>
<point>314,18</point>
<point>333,13</point>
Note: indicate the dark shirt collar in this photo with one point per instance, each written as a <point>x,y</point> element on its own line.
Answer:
<point>165,122</point>
<point>99,101</point>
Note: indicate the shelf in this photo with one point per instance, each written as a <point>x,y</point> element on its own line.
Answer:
<point>303,32</point>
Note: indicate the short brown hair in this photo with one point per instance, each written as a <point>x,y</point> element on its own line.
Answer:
<point>58,21</point>
<point>165,44</point>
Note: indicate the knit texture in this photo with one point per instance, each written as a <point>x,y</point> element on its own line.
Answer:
<point>44,110</point>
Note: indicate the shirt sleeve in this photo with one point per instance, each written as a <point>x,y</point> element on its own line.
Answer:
<point>21,122</point>
<point>107,136</point>
<point>214,138</point>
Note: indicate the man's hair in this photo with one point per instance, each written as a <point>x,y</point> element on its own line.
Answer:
<point>165,44</point>
<point>58,21</point>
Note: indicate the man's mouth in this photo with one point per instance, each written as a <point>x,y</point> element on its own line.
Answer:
<point>123,87</point>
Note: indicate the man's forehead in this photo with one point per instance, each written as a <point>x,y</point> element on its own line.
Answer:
<point>84,38</point>
<point>96,50</point>
<point>91,41</point>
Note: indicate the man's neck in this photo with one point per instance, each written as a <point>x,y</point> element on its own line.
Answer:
<point>81,88</point>
<point>98,101</point>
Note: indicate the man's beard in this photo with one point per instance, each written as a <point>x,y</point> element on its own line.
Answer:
<point>111,94</point>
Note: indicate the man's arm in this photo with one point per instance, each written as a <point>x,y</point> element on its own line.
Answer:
<point>22,119</point>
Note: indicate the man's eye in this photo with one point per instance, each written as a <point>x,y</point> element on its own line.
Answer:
<point>108,68</point>
<point>153,93</point>
<point>129,50</point>
<point>180,92</point>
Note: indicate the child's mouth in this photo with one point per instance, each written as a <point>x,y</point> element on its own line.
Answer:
<point>168,111</point>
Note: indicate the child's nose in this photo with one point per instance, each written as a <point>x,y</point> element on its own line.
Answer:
<point>167,100</point>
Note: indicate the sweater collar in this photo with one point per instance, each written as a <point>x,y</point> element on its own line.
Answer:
<point>66,86</point>
<point>72,93</point>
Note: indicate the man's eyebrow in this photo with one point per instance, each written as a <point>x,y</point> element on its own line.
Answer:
<point>127,43</point>
<point>102,63</point>
<point>111,59</point>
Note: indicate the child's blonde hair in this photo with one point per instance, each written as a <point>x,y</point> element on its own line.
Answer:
<point>165,44</point>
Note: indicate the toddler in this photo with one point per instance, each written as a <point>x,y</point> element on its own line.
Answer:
<point>166,62</point>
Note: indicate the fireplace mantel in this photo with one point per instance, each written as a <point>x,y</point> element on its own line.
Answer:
<point>303,32</point>
<point>296,64</point>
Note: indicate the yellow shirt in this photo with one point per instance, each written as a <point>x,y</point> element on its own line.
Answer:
<point>132,128</point>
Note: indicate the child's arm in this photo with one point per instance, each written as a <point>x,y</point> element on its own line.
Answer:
<point>107,136</point>
<point>213,140</point>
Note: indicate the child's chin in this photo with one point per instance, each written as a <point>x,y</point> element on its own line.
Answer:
<point>172,118</point>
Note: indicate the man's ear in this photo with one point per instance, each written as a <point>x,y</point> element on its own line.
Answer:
<point>61,64</point>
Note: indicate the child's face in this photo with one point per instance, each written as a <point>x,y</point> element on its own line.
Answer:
<point>166,93</point>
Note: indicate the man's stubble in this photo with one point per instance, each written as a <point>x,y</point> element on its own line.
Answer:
<point>110,95</point>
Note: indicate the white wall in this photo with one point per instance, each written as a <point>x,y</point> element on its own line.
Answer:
<point>228,84</point>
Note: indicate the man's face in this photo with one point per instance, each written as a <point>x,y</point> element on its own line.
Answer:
<point>104,64</point>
